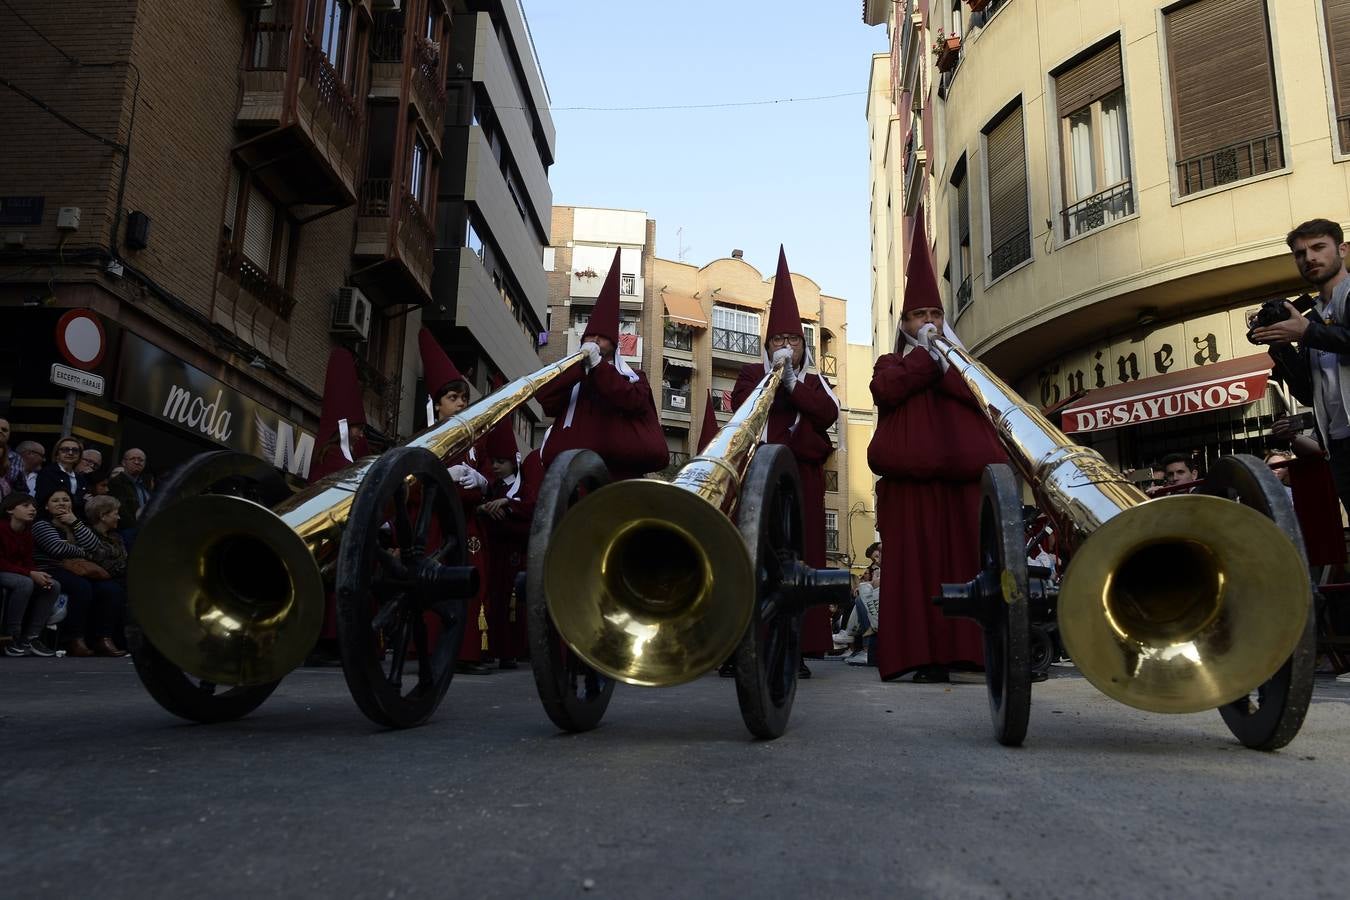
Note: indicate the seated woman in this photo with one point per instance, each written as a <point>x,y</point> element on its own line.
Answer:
<point>32,593</point>
<point>65,547</point>
<point>103,512</point>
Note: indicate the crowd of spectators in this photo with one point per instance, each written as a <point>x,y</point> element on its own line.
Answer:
<point>65,529</point>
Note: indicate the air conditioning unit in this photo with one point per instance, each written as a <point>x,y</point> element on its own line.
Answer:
<point>351,313</point>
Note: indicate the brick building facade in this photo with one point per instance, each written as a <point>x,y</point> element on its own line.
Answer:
<point>253,184</point>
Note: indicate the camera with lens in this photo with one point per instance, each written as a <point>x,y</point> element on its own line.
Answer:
<point>1273,311</point>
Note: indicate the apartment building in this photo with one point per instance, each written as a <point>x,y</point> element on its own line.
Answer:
<point>490,303</point>
<point>232,188</point>
<point>1108,187</point>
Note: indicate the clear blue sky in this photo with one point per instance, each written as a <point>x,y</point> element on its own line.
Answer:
<point>745,177</point>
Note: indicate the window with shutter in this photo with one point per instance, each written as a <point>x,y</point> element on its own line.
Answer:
<point>1225,118</point>
<point>1006,181</point>
<point>258,222</point>
<point>1094,141</point>
<point>960,229</point>
<point>1337,14</point>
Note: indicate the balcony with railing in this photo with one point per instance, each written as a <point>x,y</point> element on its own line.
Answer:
<point>963,294</point>
<point>1102,208</point>
<point>676,400</point>
<point>391,225</point>
<point>1009,254</point>
<point>251,304</point>
<point>392,52</point>
<point>1226,165</point>
<point>736,344</point>
<point>916,164</point>
<point>831,540</point>
<point>301,112</point>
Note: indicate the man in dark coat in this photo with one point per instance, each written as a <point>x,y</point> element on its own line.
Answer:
<point>803,410</point>
<point>930,448</point>
<point>606,407</point>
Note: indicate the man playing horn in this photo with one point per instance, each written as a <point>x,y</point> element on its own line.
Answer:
<point>803,410</point>
<point>930,448</point>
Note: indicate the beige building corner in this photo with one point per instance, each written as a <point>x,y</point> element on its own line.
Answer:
<point>860,420</point>
<point>1108,187</point>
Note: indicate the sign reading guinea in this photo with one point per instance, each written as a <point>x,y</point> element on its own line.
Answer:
<point>163,386</point>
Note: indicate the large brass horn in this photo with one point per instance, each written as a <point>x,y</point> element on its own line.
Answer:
<point>233,593</point>
<point>1176,604</point>
<point>651,582</point>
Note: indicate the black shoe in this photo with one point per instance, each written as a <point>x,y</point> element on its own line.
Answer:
<point>472,668</point>
<point>803,671</point>
<point>931,675</point>
<point>728,669</point>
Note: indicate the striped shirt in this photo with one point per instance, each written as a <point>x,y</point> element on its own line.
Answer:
<point>51,546</point>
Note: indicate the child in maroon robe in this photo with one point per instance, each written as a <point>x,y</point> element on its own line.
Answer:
<point>447,395</point>
<point>930,448</point>
<point>507,513</point>
<point>803,410</point>
<point>608,407</point>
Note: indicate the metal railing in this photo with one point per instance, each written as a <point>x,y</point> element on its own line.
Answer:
<point>829,365</point>
<point>386,38</point>
<point>1015,250</point>
<point>1093,212</point>
<point>832,540</point>
<point>426,81</point>
<point>1228,164</point>
<point>331,90</point>
<point>831,480</point>
<point>1343,132</point>
<point>628,285</point>
<point>255,281</point>
<point>415,233</point>
<point>979,18</point>
<point>268,43</point>
<point>374,199</point>
<point>736,342</point>
<point>963,294</point>
<point>678,459</point>
<point>678,339</point>
<point>675,399</point>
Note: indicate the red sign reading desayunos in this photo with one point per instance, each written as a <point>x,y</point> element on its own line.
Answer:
<point>1231,383</point>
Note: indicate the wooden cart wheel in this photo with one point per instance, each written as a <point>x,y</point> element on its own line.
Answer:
<point>219,472</point>
<point>1007,640</point>
<point>574,695</point>
<point>1272,715</point>
<point>401,588</point>
<point>767,659</point>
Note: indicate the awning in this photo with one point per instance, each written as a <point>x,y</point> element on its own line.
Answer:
<point>1203,389</point>
<point>684,310</point>
<point>679,363</point>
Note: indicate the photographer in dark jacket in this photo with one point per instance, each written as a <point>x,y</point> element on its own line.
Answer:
<point>1317,370</point>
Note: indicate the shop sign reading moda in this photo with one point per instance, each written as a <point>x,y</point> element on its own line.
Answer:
<point>165,387</point>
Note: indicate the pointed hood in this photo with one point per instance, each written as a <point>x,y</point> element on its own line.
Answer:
<point>710,426</point>
<point>921,287</point>
<point>784,317</point>
<point>437,369</point>
<point>342,404</point>
<point>605,317</point>
<point>501,442</point>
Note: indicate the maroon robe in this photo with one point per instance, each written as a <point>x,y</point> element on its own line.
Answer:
<point>614,417</point>
<point>930,448</point>
<point>477,640</point>
<point>510,538</point>
<point>814,411</point>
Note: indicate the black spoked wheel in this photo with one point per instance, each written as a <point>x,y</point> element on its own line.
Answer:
<point>1272,715</point>
<point>574,695</point>
<point>221,472</point>
<point>400,588</point>
<point>1007,641</point>
<point>770,520</point>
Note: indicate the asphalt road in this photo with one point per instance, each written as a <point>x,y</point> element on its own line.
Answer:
<point>877,790</point>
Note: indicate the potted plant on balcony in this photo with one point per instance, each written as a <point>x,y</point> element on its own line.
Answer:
<point>587,272</point>
<point>947,51</point>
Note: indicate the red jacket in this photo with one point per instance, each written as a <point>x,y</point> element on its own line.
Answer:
<point>16,550</point>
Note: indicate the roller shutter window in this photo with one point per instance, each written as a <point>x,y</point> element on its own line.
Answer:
<point>1094,142</point>
<point>1338,45</point>
<point>1224,114</point>
<point>959,264</point>
<point>1006,176</point>
<point>232,201</point>
<point>258,222</point>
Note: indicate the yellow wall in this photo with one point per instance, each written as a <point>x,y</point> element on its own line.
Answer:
<point>1178,256</point>
<point>885,147</point>
<point>860,419</point>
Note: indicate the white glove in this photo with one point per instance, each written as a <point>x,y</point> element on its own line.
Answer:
<point>468,477</point>
<point>592,351</point>
<point>789,373</point>
<point>925,335</point>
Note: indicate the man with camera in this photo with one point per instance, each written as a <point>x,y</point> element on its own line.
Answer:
<point>1316,369</point>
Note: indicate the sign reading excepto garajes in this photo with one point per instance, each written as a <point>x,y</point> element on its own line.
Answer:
<point>75,380</point>
<point>165,387</point>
